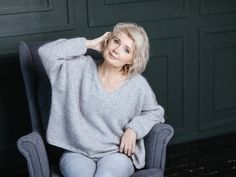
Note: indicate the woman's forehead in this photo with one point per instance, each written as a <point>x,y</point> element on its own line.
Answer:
<point>125,39</point>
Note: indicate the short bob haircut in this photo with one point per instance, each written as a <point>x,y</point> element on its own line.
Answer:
<point>141,47</point>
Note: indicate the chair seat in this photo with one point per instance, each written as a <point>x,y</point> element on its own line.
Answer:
<point>153,172</point>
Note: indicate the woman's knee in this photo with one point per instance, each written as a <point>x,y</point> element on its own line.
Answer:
<point>105,174</point>
<point>114,165</point>
<point>114,173</point>
<point>76,165</point>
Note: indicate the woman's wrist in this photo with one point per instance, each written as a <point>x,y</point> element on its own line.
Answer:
<point>91,44</point>
<point>132,130</point>
<point>88,44</point>
<point>96,43</point>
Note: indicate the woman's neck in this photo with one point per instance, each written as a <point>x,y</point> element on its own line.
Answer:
<point>110,78</point>
<point>107,72</point>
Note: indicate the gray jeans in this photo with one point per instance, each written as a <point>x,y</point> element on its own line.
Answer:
<point>112,165</point>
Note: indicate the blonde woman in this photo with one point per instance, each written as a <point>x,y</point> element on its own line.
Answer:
<point>101,111</point>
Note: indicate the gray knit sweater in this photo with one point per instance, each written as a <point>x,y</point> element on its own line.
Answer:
<point>84,117</point>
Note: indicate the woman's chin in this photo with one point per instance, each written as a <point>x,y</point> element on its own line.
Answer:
<point>112,62</point>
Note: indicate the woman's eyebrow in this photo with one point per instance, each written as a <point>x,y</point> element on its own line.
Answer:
<point>120,41</point>
<point>117,38</point>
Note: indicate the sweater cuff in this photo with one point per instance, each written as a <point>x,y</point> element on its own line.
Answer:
<point>79,44</point>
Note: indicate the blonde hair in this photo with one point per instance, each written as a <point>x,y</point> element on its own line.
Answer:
<point>141,49</point>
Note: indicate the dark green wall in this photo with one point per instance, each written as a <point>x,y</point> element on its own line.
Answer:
<point>192,67</point>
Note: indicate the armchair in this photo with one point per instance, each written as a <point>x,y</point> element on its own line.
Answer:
<point>42,158</point>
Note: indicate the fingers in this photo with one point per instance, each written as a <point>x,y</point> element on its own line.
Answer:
<point>122,145</point>
<point>127,147</point>
<point>127,144</point>
<point>104,36</point>
<point>129,150</point>
<point>97,43</point>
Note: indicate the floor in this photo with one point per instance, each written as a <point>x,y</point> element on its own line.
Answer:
<point>212,157</point>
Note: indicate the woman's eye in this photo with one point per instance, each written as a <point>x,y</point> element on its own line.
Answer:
<point>116,41</point>
<point>127,50</point>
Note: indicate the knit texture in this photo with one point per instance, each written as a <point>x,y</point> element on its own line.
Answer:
<point>84,117</point>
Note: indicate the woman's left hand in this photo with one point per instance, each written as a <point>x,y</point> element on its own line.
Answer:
<point>128,141</point>
<point>96,43</point>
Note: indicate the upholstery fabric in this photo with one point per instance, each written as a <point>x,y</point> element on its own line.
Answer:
<point>155,144</point>
<point>32,147</point>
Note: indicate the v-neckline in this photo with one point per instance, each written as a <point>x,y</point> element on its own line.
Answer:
<point>102,89</point>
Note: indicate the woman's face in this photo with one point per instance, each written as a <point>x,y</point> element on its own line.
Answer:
<point>119,50</point>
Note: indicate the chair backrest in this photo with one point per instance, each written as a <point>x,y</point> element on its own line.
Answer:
<point>38,90</point>
<point>37,85</point>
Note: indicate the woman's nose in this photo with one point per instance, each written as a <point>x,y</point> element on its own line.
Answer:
<point>117,48</point>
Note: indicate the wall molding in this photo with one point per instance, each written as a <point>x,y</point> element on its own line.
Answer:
<point>99,11</point>
<point>217,7</point>
<point>30,7</point>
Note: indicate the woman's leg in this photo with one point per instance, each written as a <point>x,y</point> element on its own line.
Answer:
<point>114,165</point>
<point>76,165</point>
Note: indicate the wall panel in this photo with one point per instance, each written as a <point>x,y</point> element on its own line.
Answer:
<point>165,73</point>
<point>217,81</point>
<point>26,6</point>
<point>36,17</point>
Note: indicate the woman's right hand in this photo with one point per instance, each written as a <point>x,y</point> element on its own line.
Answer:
<point>96,44</point>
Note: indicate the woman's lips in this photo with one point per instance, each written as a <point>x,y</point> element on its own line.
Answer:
<point>112,56</point>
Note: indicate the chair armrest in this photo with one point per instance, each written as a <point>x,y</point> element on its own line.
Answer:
<point>32,148</point>
<point>155,143</point>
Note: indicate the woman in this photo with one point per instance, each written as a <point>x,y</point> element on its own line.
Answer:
<point>101,111</point>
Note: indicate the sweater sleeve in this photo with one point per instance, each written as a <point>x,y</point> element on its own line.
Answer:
<point>151,114</point>
<point>54,54</point>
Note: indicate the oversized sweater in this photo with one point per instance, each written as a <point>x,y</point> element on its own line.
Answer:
<point>84,117</point>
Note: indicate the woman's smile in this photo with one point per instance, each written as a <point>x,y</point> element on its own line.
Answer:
<point>112,56</point>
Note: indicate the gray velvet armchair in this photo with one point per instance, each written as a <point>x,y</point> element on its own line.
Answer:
<point>42,159</point>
